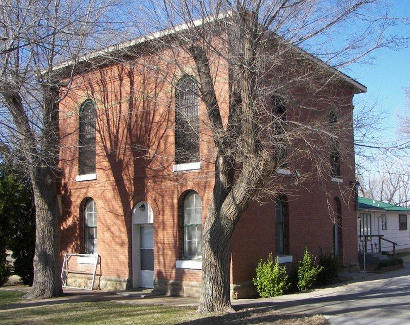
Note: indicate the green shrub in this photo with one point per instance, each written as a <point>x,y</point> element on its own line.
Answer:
<point>308,271</point>
<point>271,278</point>
<point>330,269</point>
<point>392,261</point>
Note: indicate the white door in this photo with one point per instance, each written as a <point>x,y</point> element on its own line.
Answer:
<point>147,256</point>
<point>142,246</point>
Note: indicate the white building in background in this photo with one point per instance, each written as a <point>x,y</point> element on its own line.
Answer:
<point>382,226</point>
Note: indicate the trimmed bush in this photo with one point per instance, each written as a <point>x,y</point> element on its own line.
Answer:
<point>308,271</point>
<point>330,269</point>
<point>271,278</point>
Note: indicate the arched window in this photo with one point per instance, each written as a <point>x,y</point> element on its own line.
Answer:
<point>192,226</point>
<point>186,121</point>
<point>281,225</point>
<point>335,161</point>
<point>333,116</point>
<point>90,227</point>
<point>337,230</point>
<point>86,139</point>
<point>279,122</point>
<point>335,152</point>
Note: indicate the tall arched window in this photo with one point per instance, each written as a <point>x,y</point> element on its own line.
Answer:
<point>90,227</point>
<point>192,226</point>
<point>86,139</point>
<point>186,121</point>
<point>337,230</point>
<point>281,225</point>
<point>280,141</point>
<point>335,152</point>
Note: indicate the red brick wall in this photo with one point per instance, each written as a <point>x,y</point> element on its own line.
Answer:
<point>135,154</point>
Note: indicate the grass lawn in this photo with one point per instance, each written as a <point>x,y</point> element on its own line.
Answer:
<point>9,296</point>
<point>111,312</point>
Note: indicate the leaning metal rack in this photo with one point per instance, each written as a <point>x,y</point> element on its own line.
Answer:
<point>86,264</point>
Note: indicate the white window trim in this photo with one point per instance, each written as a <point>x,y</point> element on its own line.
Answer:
<point>186,166</point>
<point>85,177</point>
<point>189,264</point>
<point>337,179</point>
<point>90,259</point>
<point>285,259</point>
<point>283,171</point>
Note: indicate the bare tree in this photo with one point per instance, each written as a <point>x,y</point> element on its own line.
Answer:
<point>405,125</point>
<point>34,36</point>
<point>259,44</point>
<point>390,184</point>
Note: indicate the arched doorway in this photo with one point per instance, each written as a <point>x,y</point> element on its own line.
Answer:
<point>142,246</point>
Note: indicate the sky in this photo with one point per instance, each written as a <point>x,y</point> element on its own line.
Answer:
<point>387,77</point>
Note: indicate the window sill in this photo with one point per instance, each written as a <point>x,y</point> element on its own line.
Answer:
<point>91,259</point>
<point>85,177</point>
<point>283,171</point>
<point>285,259</point>
<point>189,264</point>
<point>337,179</point>
<point>186,167</point>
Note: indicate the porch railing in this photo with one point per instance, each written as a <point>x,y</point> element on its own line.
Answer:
<point>367,240</point>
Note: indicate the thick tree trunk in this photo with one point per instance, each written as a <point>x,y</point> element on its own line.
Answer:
<point>41,155</point>
<point>223,215</point>
<point>216,257</point>
<point>47,281</point>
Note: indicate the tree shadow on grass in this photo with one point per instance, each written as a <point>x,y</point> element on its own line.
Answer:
<point>257,316</point>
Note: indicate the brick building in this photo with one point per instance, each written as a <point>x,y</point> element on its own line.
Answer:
<point>130,195</point>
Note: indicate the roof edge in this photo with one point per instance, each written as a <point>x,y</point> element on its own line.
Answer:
<point>198,22</point>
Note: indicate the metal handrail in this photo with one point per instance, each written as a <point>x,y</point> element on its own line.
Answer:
<point>391,242</point>
<point>380,237</point>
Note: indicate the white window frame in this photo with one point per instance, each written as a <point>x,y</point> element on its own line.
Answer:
<point>186,166</point>
<point>85,177</point>
<point>85,235</point>
<point>196,240</point>
<point>383,221</point>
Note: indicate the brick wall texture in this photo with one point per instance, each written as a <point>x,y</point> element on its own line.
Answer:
<point>134,161</point>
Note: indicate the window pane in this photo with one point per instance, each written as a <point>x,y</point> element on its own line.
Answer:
<point>90,214</point>
<point>402,222</point>
<point>189,201</point>
<point>90,227</point>
<point>192,225</point>
<point>192,241</point>
<point>86,138</point>
<point>147,259</point>
<point>188,250</point>
<point>186,121</point>
<point>335,162</point>
<point>189,216</point>
<point>281,227</point>
<point>189,233</point>
<point>147,237</point>
<point>91,233</point>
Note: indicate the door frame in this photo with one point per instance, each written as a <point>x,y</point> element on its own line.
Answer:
<point>141,214</point>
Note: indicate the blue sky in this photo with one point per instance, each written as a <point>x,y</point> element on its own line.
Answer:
<point>387,78</point>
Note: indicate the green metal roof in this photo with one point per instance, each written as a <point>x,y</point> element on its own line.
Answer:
<point>369,204</point>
